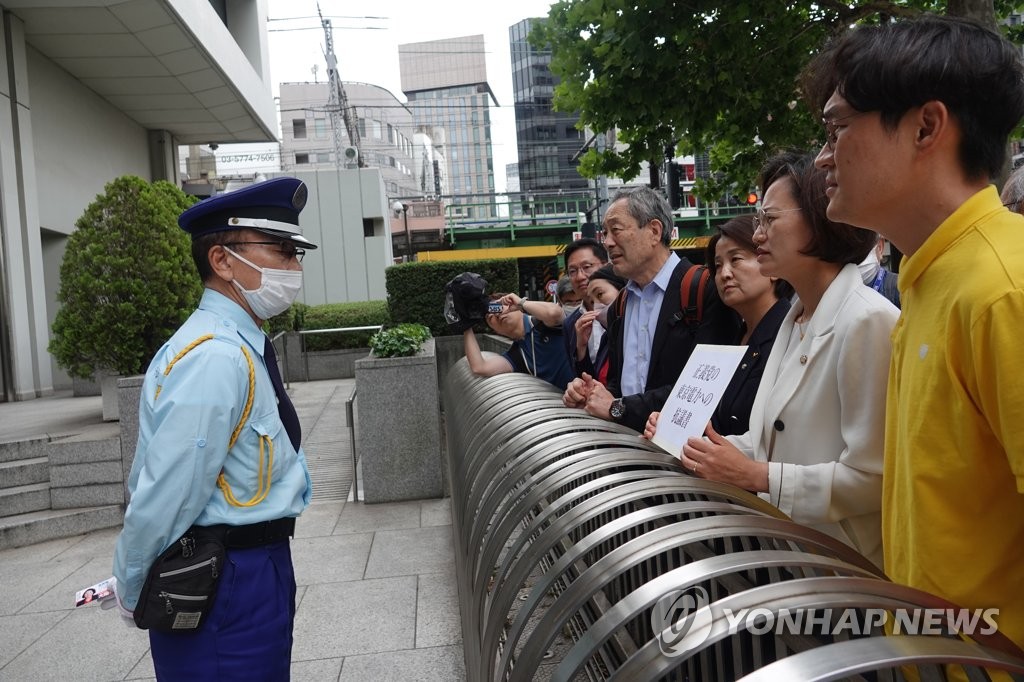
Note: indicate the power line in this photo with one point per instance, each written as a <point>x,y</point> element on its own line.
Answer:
<point>317,28</point>
<point>413,104</point>
<point>333,16</point>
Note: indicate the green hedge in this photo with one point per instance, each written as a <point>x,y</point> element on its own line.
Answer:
<point>333,316</point>
<point>416,290</point>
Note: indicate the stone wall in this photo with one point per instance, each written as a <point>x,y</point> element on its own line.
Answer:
<point>399,433</point>
<point>317,365</point>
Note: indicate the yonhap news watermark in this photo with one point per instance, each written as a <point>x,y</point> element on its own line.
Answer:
<point>684,619</point>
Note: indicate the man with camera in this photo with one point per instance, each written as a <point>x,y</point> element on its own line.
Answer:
<point>537,349</point>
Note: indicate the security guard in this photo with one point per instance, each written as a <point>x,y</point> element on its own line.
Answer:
<point>219,441</point>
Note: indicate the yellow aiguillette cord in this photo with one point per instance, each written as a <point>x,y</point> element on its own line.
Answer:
<point>266,464</point>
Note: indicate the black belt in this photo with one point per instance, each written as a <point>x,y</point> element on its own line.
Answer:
<point>253,534</point>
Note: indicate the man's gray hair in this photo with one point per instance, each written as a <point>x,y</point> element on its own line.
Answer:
<point>645,205</point>
<point>1013,191</point>
<point>564,287</point>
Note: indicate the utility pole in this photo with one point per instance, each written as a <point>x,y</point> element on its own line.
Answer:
<point>602,182</point>
<point>337,101</point>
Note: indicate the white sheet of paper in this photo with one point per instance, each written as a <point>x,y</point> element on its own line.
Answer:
<point>696,394</point>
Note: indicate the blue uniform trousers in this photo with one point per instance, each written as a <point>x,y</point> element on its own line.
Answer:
<point>247,635</point>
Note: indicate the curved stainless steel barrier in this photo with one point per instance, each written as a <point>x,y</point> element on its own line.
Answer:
<point>585,552</point>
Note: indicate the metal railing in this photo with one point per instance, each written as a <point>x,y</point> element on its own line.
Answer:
<point>349,402</point>
<point>350,416</point>
<point>573,536</point>
<point>305,356</point>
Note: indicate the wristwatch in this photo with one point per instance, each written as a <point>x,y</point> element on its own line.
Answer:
<point>522,304</point>
<point>618,409</point>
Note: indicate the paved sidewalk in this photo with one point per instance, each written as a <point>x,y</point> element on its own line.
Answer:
<point>376,583</point>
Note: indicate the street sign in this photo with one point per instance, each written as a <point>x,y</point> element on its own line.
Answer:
<point>551,287</point>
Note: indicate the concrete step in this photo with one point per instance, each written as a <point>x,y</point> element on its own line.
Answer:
<point>40,526</point>
<point>23,499</point>
<point>24,472</point>
<point>15,450</point>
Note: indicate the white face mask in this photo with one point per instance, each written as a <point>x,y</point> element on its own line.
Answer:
<point>570,308</point>
<point>278,289</point>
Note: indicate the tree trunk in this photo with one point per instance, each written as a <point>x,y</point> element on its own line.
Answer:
<point>982,11</point>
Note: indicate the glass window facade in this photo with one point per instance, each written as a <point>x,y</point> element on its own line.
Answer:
<point>547,140</point>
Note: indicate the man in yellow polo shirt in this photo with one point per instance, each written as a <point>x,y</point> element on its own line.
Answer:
<point>917,115</point>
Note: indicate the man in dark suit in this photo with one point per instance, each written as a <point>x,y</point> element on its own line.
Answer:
<point>651,341</point>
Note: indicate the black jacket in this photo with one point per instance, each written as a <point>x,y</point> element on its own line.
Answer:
<point>673,343</point>
<point>733,413</point>
<point>584,365</point>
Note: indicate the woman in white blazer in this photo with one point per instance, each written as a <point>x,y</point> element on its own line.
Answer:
<point>814,448</point>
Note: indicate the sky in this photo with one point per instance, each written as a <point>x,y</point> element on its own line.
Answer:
<point>366,40</point>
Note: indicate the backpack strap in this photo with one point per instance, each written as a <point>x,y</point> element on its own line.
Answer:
<point>691,290</point>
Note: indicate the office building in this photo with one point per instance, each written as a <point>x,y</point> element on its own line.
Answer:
<point>445,82</point>
<point>91,90</point>
<point>385,127</point>
<point>548,140</point>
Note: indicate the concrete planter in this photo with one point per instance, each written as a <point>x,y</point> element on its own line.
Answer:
<point>449,351</point>
<point>318,365</point>
<point>129,390</point>
<point>84,387</point>
<point>399,432</point>
<point>108,391</point>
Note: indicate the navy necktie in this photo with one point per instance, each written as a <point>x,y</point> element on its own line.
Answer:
<point>284,404</point>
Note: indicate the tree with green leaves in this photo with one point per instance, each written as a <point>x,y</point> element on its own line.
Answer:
<point>704,76</point>
<point>127,280</point>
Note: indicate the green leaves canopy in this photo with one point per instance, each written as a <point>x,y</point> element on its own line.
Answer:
<point>701,75</point>
<point>127,280</point>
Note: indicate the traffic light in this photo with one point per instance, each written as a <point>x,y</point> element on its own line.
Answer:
<point>672,175</point>
<point>752,199</point>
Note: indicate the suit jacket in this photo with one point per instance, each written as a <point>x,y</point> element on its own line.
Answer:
<point>732,416</point>
<point>673,342</point>
<point>819,414</point>
<point>584,365</point>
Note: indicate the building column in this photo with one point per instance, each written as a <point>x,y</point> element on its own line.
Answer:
<point>163,157</point>
<point>24,333</point>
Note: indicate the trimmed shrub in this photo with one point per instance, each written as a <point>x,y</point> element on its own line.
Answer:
<point>290,320</point>
<point>416,290</point>
<point>401,341</point>
<point>127,280</point>
<point>336,315</point>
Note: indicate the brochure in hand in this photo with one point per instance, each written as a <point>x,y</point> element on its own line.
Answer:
<point>101,591</point>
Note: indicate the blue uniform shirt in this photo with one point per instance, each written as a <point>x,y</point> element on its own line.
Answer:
<point>183,442</point>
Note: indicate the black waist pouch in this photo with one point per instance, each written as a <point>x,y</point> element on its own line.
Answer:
<point>182,583</point>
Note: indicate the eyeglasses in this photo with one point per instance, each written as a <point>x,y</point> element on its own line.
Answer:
<point>832,130</point>
<point>585,268</point>
<point>1012,205</point>
<point>763,221</point>
<point>286,249</point>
